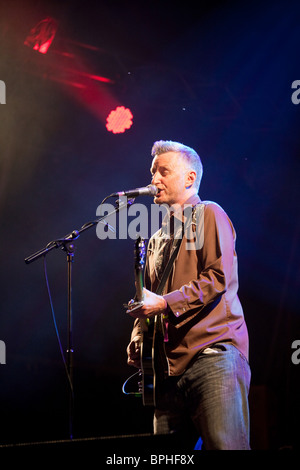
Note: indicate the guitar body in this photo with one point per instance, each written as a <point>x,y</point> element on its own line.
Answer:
<point>153,361</point>
<point>154,365</point>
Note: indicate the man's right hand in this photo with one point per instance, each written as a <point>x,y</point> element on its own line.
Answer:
<point>133,352</point>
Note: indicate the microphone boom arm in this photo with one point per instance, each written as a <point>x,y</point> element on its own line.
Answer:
<point>61,242</point>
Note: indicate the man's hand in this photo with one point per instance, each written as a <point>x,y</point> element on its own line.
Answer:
<point>153,305</point>
<point>133,352</point>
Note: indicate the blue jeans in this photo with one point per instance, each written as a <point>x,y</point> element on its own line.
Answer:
<point>212,394</point>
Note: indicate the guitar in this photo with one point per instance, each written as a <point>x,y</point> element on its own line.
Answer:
<point>153,359</point>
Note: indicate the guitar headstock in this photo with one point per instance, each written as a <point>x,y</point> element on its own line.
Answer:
<point>139,254</point>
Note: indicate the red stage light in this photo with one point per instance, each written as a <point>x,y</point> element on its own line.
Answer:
<point>119,120</point>
<point>41,35</point>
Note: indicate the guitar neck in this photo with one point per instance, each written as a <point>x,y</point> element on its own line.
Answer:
<point>140,253</point>
<point>139,296</point>
<point>139,286</point>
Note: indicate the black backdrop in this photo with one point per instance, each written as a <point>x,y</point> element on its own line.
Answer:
<point>216,76</point>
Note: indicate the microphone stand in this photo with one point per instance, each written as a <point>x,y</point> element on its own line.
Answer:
<point>66,244</point>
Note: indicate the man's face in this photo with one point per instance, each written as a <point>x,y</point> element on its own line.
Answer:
<point>169,174</point>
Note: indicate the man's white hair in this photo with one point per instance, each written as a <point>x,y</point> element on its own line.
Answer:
<point>189,155</point>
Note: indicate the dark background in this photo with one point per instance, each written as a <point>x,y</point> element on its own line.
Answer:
<point>214,75</point>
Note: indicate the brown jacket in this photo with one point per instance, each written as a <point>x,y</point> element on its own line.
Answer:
<point>201,291</point>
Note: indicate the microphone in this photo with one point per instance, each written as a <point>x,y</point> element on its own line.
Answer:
<point>149,190</point>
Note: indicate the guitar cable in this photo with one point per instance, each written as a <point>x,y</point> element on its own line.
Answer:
<point>136,394</point>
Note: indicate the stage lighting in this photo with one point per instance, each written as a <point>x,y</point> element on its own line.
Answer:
<point>119,120</point>
<point>41,35</point>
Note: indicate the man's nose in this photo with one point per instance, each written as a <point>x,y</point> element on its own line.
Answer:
<point>155,178</point>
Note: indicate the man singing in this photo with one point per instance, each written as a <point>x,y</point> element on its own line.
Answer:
<point>205,335</point>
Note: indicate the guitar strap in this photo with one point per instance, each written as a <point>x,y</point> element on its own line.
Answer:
<point>176,246</point>
<point>167,270</point>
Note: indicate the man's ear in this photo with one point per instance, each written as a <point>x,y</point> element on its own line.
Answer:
<point>190,178</point>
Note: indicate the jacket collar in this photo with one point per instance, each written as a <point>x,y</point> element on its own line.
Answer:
<point>179,215</point>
